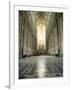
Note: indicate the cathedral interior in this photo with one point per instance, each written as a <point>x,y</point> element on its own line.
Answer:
<point>40,44</point>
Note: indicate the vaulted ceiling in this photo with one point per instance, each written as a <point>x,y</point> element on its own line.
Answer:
<point>48,16</point>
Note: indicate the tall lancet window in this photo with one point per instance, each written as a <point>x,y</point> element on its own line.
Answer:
<point>41,32</point>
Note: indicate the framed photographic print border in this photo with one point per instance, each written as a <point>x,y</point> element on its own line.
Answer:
<point>14,7</point>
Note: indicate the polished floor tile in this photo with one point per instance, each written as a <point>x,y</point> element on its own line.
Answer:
<point>40,67</point>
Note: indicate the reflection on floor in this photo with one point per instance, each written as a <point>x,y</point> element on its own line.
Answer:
<point>40,67</point>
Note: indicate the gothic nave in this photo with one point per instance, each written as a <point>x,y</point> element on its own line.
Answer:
<point>40,44</point>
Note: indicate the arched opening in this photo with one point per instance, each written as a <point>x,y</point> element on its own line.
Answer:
<point>41,34</point>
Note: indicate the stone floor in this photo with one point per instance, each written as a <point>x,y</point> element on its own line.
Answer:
<point>40,67</point>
